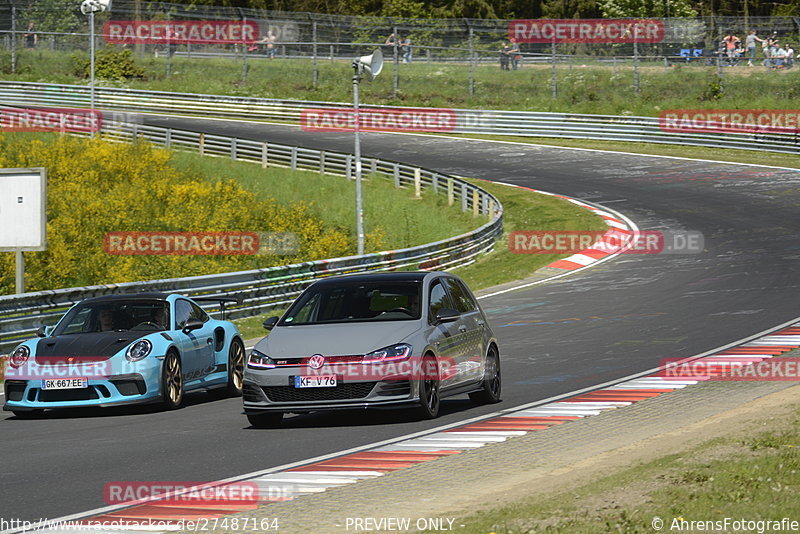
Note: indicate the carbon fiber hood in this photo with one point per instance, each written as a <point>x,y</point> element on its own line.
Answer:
<point>91,345</point>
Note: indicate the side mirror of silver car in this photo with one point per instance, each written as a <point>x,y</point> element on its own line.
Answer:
<point>447,315</point>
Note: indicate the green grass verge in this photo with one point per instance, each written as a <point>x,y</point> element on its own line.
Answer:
<point>251,327</point>
<point>754,478</point>
<point>393,216</point>
<point>582,87</point>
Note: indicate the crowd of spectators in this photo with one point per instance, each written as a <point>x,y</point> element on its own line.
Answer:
<point>777,55</point>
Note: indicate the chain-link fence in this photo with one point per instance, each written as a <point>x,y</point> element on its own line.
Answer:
<point>58,25</point>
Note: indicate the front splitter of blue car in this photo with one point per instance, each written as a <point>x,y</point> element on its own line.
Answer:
<point>139,384</point>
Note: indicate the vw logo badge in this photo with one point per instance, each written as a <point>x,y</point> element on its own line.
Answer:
<point>316,361</point>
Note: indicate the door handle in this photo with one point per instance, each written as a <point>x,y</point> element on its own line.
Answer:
<point>209,341</point>
<point>462,328</point>
<point>481,324</point>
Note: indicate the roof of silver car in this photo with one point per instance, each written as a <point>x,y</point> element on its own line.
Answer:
<point>405,276</point>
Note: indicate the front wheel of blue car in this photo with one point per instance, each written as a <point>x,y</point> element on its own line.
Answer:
<point>172,382</point>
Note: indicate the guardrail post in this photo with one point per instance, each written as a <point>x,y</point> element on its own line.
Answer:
<point>484,204</point>
<point>491,207</point>
<point>475,205</point>
<point>168,138</point>
<point>397,176</point>
<point>435,182</point>
<point>201,144</point>
<point>450,192</point>
<point>374,166</point>
<point>464,197</point>
<point>135,131</point>
<point>417,182</point>
<point>264,154</point>
<point>233,148</point>
<point>293,163</point>
<point>348,163</point>
<point>321,161</point>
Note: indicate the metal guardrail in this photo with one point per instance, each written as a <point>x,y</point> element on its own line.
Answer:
<point>274,287</point>
<point>490,122</point>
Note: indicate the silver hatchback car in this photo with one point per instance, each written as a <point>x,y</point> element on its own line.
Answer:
<point>373,340</point>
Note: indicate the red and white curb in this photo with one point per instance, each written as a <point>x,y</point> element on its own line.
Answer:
<point>371,461</point>
<point>616,239</point>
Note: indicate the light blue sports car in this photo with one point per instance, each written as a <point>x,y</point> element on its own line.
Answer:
<point>124,349</point>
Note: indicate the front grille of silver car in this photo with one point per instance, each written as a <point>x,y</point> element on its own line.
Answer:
<point>344,391</point>
<point>303,362</point>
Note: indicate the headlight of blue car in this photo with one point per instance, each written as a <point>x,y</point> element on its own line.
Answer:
<point>139,350</point>
<point>19,356</point>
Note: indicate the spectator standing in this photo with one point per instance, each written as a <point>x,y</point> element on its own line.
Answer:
<point>514,54</point>
<point>31,39</point>
<point>271,40</point>
<point>730,41</point>
<point>504,56</point>
<point>750,45</point>
<point>789,56</point>
<point>405,49</point>
<point>171,35</point>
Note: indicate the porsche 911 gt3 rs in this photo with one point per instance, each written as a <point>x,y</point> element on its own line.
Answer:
<point>124,349</point>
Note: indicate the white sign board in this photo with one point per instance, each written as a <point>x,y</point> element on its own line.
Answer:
<point>23,209</point>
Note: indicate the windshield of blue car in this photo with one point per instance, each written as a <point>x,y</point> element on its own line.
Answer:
<point>115,316</point>
<point>355,302</point>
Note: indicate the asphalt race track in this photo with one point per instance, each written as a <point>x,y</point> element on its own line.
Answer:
<point>606,322</point>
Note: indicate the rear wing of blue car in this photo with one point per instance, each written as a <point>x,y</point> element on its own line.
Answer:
<point>220,301</point>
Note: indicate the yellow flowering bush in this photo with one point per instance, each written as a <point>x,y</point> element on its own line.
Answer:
<point>95,187</point>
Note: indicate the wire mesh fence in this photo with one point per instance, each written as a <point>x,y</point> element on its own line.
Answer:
<point>145,29</point>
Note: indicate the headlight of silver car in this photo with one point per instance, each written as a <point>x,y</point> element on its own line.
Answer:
<point>139,350</point>
<point>393,353</point>
<point>258,360</point>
